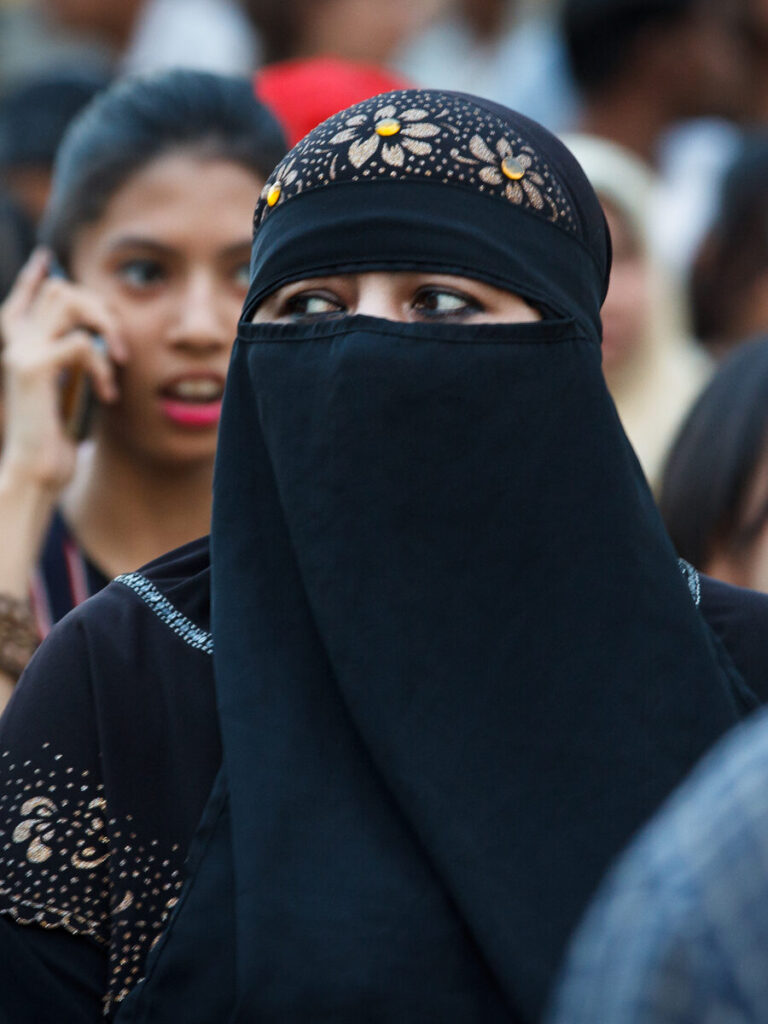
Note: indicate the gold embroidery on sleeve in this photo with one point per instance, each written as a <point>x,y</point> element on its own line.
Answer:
<point>66,863</point>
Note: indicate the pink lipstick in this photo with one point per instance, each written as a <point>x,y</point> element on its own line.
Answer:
<point>193,400</point>
<point>192,414</point>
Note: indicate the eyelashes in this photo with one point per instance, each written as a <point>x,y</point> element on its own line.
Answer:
<point>428,296</point>
<point>312,305</point>
<point>141,273</point>
<point>433,302</point>
<point>445,303</point>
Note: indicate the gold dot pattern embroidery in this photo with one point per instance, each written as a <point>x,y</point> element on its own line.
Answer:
<point>417,134</point>
<point>66,863</point>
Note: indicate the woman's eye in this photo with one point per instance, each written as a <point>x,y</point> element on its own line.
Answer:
<point>312,304</point>
<point>437,302</point>
<point>141,273</point>
<point>242,275</point>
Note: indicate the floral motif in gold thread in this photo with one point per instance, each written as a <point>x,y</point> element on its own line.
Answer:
<point>65,862</point>
<point>364,133</point>
<point>36,829</point>
<point>415,134</point>
<point>502,162</point>
<point>41,822</point>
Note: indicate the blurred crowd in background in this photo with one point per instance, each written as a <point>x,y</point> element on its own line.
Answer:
<point>665,103</point>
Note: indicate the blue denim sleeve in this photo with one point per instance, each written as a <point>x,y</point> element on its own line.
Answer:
<point>678,933</point>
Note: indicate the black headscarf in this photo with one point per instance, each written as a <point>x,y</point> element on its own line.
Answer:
<point>456,662</point>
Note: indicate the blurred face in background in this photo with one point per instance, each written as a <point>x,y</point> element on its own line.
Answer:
<point>625,311</point>
<point>171,260</point>
<point>742,557</point>
<point>711,57</point>
<point>486,16</point>
<point>750,314</point>
<point>756,34</point>
<point>365,30</point>
<point>112,19</point>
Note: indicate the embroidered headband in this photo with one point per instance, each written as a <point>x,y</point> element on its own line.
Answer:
<point>416,134</point>
<point>422,180</point>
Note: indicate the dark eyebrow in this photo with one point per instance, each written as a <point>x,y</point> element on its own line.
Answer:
<point>139,242</point>
<point>142,242</point>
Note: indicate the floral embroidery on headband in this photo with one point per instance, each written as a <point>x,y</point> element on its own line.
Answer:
<point>516,170</point>
<point>273,191</point>
<point>418,134</point>
<point>408,127</point>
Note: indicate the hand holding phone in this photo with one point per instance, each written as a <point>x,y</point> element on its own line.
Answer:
<point>78,398</point>
<point>53,371</point>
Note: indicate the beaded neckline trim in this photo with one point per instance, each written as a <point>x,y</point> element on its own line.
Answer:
<point>692,578</point>
<point>202,640</point>
<point>182,626</point>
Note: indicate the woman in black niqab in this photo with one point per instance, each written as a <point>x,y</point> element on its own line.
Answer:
<point>457,664</point>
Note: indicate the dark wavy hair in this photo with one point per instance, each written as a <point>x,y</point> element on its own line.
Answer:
<point>735,251</point>
<point>277,22</point>
<point>713,460</point>
<point>141,118</point>
<point>17,239</point>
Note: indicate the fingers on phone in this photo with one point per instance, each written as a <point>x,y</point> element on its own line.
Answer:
<point>42,308</point>
<point>79,350</point>
<point>103,373</point>
<point>60,307</point>
<point>89,311</point>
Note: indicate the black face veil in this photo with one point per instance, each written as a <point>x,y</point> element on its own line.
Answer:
<point>457,665</point>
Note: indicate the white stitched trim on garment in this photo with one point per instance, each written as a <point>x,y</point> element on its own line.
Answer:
<point>692,578</point>
<point>167,613</point>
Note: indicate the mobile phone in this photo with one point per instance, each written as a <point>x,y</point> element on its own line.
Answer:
<point>78,400</point>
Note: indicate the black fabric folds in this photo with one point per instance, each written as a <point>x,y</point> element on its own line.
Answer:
<point>398,225</point>
<point>456,663</point>
<point>450,687</point>
<point>473,667</point>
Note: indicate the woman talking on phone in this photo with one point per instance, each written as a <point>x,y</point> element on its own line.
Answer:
<point>122,326</point>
